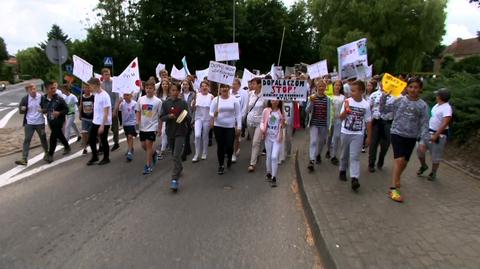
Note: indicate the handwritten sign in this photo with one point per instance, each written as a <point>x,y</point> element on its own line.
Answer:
<point>82,69</point>
<point>285,90</point>
<point>129,80</point>
<point>221,73</point>
<point>247,76</point>
<point>350,56</point>
<point>393,85</point>
<point>226,52</point>
<point>318,69</point>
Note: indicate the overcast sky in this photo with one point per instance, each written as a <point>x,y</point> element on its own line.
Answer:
<point>25,23</point>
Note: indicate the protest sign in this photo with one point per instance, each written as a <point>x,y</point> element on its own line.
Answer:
<point>393,85</point>
<point>221,73</point>
<point>129,80</point>
<point>159,68</point>
<point>82,69</point>
<point>276,72</point>
<point>226,52</point>
<point>370,71</point>
<point>97,75</point>
<point>247,76</point>
<point>350,56</point>
<point>201,74</point>
<point>285,90</point>
<point>178,74</point>
<point>318,69</point>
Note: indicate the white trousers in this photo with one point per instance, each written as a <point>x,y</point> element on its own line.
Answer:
<point>273,152</point>
<point>201,137</point>
<point>350,153</point>
<point>69,124</point>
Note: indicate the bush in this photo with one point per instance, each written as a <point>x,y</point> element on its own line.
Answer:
<point>465,100</point>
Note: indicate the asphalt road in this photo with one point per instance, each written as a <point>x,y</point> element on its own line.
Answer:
<point>74,216</point>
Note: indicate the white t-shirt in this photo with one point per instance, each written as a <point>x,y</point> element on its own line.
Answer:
<point>71,101</point>
<point>102,101</point>
<point>149,109</point>
<point>438,113</point>
<point>128,112</point>
<point>273,125</point>
<point>34,117</point>
<point>60,93</point>
<point>242,98</point>
<point>229,114</point>
<point>359,115</point>
<point>202,106</point>
<point>337,104</point>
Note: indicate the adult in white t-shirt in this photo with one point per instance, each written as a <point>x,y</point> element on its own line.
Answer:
<point>242,97</point>
<point>440,119</point>
<point>227,121</point>
<point>102,120</point>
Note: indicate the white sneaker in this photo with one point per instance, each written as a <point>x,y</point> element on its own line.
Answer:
<point>195,159</point>
<point>234,158</point>
<point>204,156</point>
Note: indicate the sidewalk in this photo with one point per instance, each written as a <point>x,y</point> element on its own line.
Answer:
<point>438,225</point>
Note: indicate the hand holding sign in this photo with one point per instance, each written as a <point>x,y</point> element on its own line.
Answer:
<point>392,85</point>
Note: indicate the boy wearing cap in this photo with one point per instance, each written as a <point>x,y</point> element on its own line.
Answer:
<point>102,119</point>
<point>148,111</point>
<point>440,119</point>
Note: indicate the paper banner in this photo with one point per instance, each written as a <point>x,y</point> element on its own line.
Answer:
<point>82,69</point>
<point>221,73</point>
<point>129,80</point>
<point>226,52</point>
<point>393,85</point>
<point>178,74</point>
<point>247,76</point>
<point>285,90</point>
<point>318,69</point>
<point>159,68</point>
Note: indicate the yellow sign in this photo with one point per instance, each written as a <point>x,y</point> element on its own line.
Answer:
<point>393,85</point>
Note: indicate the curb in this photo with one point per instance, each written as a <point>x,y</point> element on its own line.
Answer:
<point>459,168</point>
<point>320,244</point>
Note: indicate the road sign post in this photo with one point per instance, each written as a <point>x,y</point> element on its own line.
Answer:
<point>57,53</point>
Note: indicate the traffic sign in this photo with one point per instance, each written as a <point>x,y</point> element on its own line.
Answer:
<point>69,68</point>
<point>108,61</point>
<point>57,53</point>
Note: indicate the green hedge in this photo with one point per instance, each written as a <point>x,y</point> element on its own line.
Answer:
<point>465,100</point>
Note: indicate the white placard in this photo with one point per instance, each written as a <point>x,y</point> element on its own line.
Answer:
<point>221,73</point>
<point>318,69</point>
<point>226,52</point>
<point>247,76</point>
<point>201,74</point>
<point>285,90</point>
<point>276,72</point>
<point>178,74</point>
<point>159,68</point>
<point>82,69</point>
<point>350,56</point>
<point>129,80</point>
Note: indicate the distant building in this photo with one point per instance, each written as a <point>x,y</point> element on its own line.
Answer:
<point>459,50</point>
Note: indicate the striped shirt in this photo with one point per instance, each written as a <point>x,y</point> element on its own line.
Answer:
<point>319,113</point>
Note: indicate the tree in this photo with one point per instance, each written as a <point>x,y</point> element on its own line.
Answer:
<point>399,33</point>
<point>56,33</point>
<point>3,51</point>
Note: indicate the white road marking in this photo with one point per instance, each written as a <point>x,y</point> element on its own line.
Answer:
<point>4,108</point>
<point>7,117</point>
<point>13,104</point>
<point>6,178</point>
<point>46,166</point>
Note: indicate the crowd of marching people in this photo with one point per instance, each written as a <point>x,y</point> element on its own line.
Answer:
<point>343,118</point>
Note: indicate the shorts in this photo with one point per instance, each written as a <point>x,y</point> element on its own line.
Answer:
<point>402,146</point>
<point>150,136</point>
<point>130,130</point>
<point>436,149</point>
<point>86,125</point>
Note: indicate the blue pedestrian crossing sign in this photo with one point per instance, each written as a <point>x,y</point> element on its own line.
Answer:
<point>108,61</point>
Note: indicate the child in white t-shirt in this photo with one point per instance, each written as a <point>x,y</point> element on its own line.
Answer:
<point>355,116</point>
<point>127,107</point>
<point>148,118</point>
